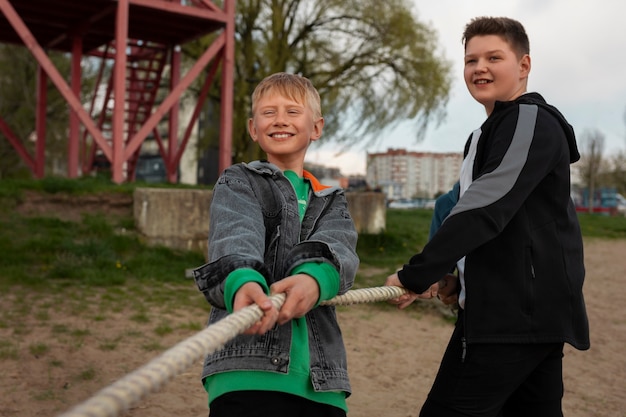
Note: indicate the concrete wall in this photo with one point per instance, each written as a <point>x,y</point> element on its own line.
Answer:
<point>175,218</point>
<point>179,218</point>
<point>368,210</point>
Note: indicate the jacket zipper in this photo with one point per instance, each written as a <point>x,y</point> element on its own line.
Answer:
<point>464,353</point>
<point>464,340</point>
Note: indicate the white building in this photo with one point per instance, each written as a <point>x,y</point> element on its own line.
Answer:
<point>403,174</point>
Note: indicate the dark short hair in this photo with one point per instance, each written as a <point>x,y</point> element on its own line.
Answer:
<point>508,29</point>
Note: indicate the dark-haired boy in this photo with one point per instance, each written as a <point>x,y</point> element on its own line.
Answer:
<point>515,239</point>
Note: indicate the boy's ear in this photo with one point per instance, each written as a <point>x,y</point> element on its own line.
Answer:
<point>524,66</point>
<point>252,130</point>
<point>318,126</point>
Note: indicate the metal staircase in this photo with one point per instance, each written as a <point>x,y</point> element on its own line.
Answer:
<point>145,67</point>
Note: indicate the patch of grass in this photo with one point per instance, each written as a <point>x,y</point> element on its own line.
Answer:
<point>109,345</point>
<point>38,349</point>
<point>43,314</point>
<point>593,225</point>
<point>46,395</point>
<point>406,233</point>
<point>21,330</point>
<point>91,252</point>
<point>55,363</point>
<point>60,329</point>
<point>152,347</point>
<point>163,329</point>
<point>88,374</point>
<point>8,350</point>
<point>80,333</point>
<point>141,317</point>
<point>191,325</point>
<point>13,188</point>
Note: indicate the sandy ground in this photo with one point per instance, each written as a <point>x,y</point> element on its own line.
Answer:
<point>393,355</point>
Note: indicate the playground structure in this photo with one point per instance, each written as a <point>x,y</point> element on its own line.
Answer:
<point>140,40</point>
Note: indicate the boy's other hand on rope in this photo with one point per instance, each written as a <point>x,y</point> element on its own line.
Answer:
<point>302,292</point>
<point>252,293</point>
<point>406,300</point>
<point>448,292</point>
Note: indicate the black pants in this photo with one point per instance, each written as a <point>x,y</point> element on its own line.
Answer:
<point>497,380</point>
<point>269,404</point>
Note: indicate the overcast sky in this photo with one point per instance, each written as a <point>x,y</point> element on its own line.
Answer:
<point>578,53</point>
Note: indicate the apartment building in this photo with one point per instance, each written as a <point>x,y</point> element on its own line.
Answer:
<point>402,174</point>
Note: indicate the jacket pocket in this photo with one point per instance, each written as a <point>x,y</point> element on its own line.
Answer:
<point>529,282</point>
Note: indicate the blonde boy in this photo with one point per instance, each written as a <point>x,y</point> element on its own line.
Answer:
<point>275,229</point>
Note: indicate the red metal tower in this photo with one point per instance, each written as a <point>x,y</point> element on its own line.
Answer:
<point>142,38</point>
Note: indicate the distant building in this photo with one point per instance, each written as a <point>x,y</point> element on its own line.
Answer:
<point>333,176</point>
<point>402,174</point>
<point>323,172</point>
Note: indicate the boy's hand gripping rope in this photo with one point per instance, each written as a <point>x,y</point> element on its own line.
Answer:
<point>132,388</point>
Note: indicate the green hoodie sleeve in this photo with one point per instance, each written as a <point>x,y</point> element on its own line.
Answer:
<point>236,280</point>
<point>326,275</point>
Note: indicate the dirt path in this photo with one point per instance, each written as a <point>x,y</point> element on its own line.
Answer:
<point>393,355</point>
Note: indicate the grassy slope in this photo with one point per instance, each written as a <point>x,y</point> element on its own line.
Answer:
<point>105,252</point>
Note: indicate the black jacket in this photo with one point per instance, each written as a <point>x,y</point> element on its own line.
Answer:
<point>517,227</point>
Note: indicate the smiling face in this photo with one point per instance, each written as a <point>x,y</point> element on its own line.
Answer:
<point>493,72</point>
<point>284,128</point>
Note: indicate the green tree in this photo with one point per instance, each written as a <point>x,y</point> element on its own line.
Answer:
<point>374,64</point>
<point>18,103</point>
<point>18,82</point>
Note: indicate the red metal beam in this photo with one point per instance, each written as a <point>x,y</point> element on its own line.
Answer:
<point>170,162</point>
<point>119,92</point>
<point>40,122</point>
<point>74,133</point>
<point>226,108</point>
<point>13,140</point>
<point>211,14</point>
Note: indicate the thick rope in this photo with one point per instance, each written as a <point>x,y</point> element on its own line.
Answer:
<point>131,389</point>
<point>365,295</point>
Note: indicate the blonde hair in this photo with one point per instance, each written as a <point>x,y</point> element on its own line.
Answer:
<point>292,86</point>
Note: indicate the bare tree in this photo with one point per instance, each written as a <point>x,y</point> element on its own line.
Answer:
<point>590,164</point>
<point>618,172</point>
<point>624,138</point>
<point>617,175</point>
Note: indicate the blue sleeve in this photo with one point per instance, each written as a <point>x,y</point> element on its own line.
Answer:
<point>443,206</point>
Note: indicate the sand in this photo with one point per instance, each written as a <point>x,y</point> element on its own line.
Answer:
<point>393,355</point>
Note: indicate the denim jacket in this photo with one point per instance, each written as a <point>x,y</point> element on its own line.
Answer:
<point>254,223</point>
